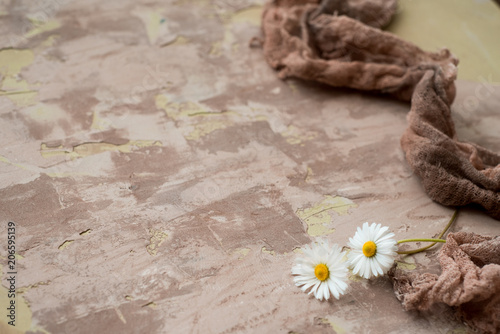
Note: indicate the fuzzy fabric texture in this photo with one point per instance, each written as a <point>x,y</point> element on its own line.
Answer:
<point>340,43</point>
<point>470,281</point>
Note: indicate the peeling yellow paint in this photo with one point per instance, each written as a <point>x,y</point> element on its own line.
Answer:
<point>50,41</point>
<point>41,27</point>
<point>186,110</point>
<point>150,304</point>
<point>22,98</point>
<point>11,84</point>
<point>32,286</point>
<point>45,113</point>
<point>460,330</point>
<point>157,238</point>
<point>242,251</point>
<point>294,135</point>
<point>120,315</point>
<point>265,250</point>
<point>250,15</point>
<point>298,250</point>
<point>177,110</point>
<point>318,217</point>
<point>179,40</point>
<point>152,20</point>
<point>205,128</point>
<point>128,297</point>
<point>87,149</point>
<point>355,278</point>
<point>86,232</point>
<point>309,174</point>
<point>216,49</point>
<point>65,244</point>
<point>293,86</point>
<point>23,312</point>
<point>13,60</point>
<point>335,327</point>
<point>407,264</point>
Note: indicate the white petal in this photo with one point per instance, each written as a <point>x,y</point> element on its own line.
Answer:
<point>333,288</point>
<point>314,288</point>
<point>326,291</point>
<point>318,293</point>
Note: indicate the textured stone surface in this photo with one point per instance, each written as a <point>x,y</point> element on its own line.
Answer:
<point>162,179</point>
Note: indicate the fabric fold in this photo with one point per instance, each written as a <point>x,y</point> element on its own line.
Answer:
<point>469,282</point>
<point>339,43</point>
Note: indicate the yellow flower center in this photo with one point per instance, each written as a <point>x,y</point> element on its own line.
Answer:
<point>369,249</point>
<point>321,271</point>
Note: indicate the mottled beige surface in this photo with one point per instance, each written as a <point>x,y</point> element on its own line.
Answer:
<point>163,179</point>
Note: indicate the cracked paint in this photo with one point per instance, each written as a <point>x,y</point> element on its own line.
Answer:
<point>32,286</point>
<point>318,217</point>
<point>189,112</point>
<point>183,110</point>
<point>85,232</point>
<point>65,244</point>
<point>87,149</point>
<point>150,305</point>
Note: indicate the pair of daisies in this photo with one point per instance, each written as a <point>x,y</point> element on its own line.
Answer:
<point>324,271</point>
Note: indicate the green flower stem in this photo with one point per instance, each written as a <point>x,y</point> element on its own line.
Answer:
<point>421,240</point>
<point>434,241</point>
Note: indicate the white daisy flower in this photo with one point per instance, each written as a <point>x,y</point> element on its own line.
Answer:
<point>373,250</point>
<point>322,270</point>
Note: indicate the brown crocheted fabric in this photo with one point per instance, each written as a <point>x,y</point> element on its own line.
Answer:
<point>339,43</point>
<point>470,281</point>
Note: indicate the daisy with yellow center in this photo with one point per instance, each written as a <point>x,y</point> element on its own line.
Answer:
<point>373,250</point>
<point>322,270</point>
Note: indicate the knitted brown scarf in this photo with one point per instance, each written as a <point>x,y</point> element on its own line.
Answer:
<point>339,43</point>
